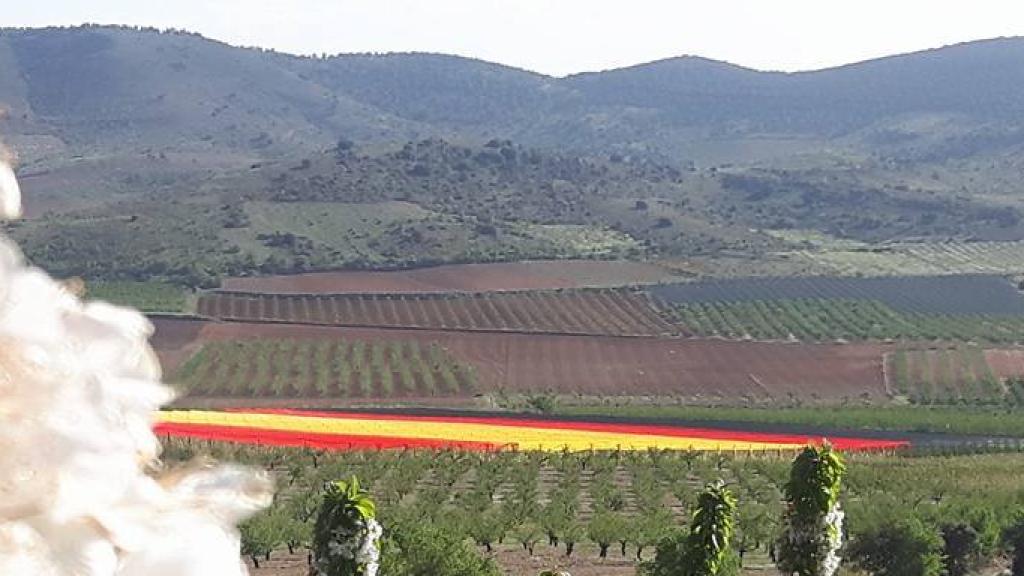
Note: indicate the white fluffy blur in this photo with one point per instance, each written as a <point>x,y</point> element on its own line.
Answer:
<point>78,388</point>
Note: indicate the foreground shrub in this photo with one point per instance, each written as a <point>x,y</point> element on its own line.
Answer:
<point>346,535</point>
<point>413,549</point>
<point>906,548</point>
<point>813,520</point>
<point>1013,541</point>
<point>704,551</point>
<point>961,548</point>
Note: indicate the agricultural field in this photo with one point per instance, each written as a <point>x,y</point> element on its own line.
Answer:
<point>985,421</point>
<point>505,276</point>
<point>973,294</point>
<point>603,312</point>
<point>696,371</point>
<point>964,375</point>
<point>854,258</point>
<point>285,368</point>
<point>825,319</point>
<point>148,297</point>
<point>532,511</point>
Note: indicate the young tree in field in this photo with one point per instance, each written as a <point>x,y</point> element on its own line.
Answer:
<point>573,533</point>
<point>604,529</point>
<point>650,530</point>
<point>346,535</point>
<point>704,551</point>
<point>486,527</point>
<point>424,549</point>
<point>813,521</point>
<point>906,548</point>
<point>528,534</point>
<point>261,534</point>
<point>710,531</point>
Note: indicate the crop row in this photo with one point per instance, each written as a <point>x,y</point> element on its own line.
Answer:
<point>614,312</point>
<point>975,294</point>
<point>953,376</point>
<point>626,500</point>
<point>822,319</point>
<point>146,296</point>
<point>325,368</point>
<point>925,258</point>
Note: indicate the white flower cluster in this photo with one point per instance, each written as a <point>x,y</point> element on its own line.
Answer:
<point>832,525</point>
<point>825,534</point>
<point>360,544</point>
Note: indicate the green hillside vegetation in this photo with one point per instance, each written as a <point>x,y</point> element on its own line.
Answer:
<point>999,421</point>
<point>146,296</point>
<point>175,142</point>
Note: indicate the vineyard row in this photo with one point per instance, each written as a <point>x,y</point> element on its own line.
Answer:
<point>819,320</point>
<point>325,368</point>
<point>598,312</point>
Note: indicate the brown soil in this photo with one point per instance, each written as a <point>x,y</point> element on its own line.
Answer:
<point>516,562</point>
<point>600,312</point>
<point>1006,363</point>
<point>697,370</point>
<point>462,277</point>
<point>175,340</point>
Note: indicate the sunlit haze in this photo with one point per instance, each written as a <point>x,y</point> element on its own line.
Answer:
<point>565,36</point>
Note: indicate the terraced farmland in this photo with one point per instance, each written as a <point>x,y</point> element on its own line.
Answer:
<point>823,319</point>
<point>852,258</point>
<point>975,294</point>
<point>325,368</point>
<point>605,312</point>
<point>504,276</point>
<point>509,363</point>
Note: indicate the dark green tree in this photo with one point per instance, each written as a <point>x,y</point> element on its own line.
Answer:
<point>704,551</point>
<point>905,548</point>
<point>1013,541</point>
<point>813,521</point>
<point>961,548</point>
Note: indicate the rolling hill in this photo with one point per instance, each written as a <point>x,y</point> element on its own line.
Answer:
<point>118,127</point>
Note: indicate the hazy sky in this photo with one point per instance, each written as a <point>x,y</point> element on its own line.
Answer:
<point>564,36</point>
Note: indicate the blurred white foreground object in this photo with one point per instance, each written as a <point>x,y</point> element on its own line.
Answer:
<point>78,387</point>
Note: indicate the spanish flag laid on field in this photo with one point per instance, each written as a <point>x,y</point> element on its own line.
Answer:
<point>358,430</point>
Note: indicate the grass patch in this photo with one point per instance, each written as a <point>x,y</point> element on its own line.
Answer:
<point>145,296</point>
<point>949,420</point>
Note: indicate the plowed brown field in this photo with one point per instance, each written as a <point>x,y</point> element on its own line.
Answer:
<point>462,277</point>
<point>697,370</point>
<point>1006,363</point>
<point>605,312</point>
<point>175,340</point>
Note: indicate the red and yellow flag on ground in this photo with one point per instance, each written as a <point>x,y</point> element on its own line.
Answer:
<point>357,430</point>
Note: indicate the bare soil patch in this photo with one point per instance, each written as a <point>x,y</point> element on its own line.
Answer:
<point>175,340</point>
<point>1006,363</point>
